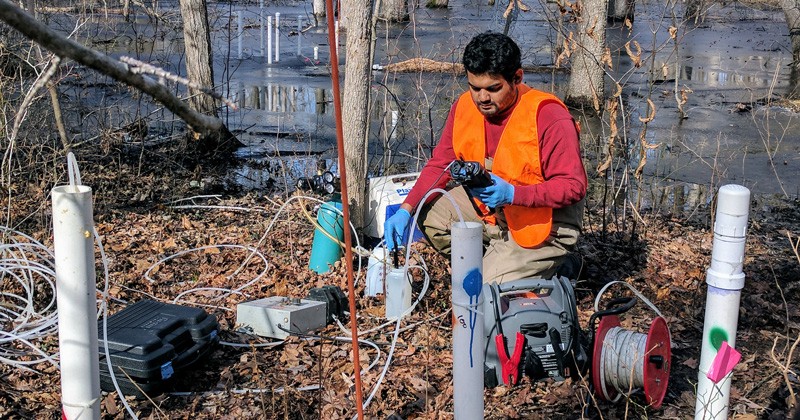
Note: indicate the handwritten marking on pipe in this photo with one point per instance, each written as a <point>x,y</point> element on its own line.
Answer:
<point>473,284</point>
<point>717,336</point>
<point>461,321</point>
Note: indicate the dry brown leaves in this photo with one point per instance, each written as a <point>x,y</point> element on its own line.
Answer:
<point>666,259</point>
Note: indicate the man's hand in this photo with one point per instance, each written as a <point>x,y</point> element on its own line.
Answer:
<point>394,227</point>
<point>496,195</point>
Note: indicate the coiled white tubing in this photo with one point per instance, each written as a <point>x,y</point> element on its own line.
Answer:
<point>27,314</point>
<point>622,361</point>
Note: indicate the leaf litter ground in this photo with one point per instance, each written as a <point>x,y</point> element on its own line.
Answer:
<point>663,255</point>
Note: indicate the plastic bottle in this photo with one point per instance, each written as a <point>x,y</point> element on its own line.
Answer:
<point>398,292</point>
<point>324,251</point>
<point>377,268</point>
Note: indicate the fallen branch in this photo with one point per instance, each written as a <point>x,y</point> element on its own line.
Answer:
<point>66,48</point>
<point>140,67</point>
<point>424,64</point>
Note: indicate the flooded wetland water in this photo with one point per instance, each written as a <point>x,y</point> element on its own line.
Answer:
<point>729,67</point>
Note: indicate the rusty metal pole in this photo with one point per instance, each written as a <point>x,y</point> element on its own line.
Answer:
<point>348,240</point>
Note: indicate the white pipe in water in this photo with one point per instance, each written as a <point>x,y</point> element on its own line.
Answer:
<point>240,32</point>
<point>336,35</point>
<point>316,53</point>
<point>261,21</point>
<point>725,281</point>
<point>76,297</point>
<point>468,338</point>
<point>277,37</point>
<point>299,34</point>
<point>395,118</point>
<point>269,39</point>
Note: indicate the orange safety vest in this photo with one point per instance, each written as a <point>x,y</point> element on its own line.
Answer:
<point>516,159</point>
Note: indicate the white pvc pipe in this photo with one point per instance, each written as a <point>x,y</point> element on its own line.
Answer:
<point>240,32</point>
<point>316,53</point>
<point>725,281</point>
<point>261,21</point>
<point>77,301</point>
<point>468,339</point>
<point>277,37</point>
<point>336,35</point>
<point>395,118</point>
<point>299,34</point>
<point>269,39</point>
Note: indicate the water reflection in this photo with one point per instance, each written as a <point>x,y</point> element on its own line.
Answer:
<point>651,195</point>
<point>679,198</point>
<point>720,78</point>
<point>275,97</point>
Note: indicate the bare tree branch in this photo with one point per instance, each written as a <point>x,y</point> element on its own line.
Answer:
<point>140,67</point>
<point>67,48</point>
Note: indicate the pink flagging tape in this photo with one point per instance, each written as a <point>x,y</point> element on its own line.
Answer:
<point>727,357</point>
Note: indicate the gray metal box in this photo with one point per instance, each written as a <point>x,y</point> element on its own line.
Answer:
<point>264,315</point>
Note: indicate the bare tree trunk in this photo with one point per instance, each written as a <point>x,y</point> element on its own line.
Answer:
<point>209,127</point>
<point>620,10</point>
<point>791,9</point>
<point>197,43</point>
<point>199,70</point>
<point>393,10</point>
<point>318,6</point>
<point>355,104</point>
<point>587,79</point>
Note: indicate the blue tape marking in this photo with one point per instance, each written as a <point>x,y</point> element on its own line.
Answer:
<point>473,284</point>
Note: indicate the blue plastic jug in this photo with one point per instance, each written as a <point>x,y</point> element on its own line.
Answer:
<point>324,251</point>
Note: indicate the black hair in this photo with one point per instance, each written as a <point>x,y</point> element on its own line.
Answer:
<point>492,53</point>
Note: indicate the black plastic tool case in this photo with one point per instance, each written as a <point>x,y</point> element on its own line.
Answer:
<point>150,342</point>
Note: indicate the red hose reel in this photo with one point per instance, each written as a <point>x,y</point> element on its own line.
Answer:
<point>623,360</point>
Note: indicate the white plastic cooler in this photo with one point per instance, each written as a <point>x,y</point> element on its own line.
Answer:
<point>386,194</point>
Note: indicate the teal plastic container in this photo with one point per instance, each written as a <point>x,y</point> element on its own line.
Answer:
<point>324,251</point>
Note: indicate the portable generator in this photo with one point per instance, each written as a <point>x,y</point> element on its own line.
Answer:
<point>538,319</point>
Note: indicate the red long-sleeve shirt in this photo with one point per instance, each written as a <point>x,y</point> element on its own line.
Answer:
<point>559,151</point>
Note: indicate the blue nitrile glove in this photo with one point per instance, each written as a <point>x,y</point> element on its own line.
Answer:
<point>498,194</point>
<point>394,227</point>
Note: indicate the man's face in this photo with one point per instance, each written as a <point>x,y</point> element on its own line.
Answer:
<point>493,94</point>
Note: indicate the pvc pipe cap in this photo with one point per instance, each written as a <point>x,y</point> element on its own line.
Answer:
<point>734,200</point>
